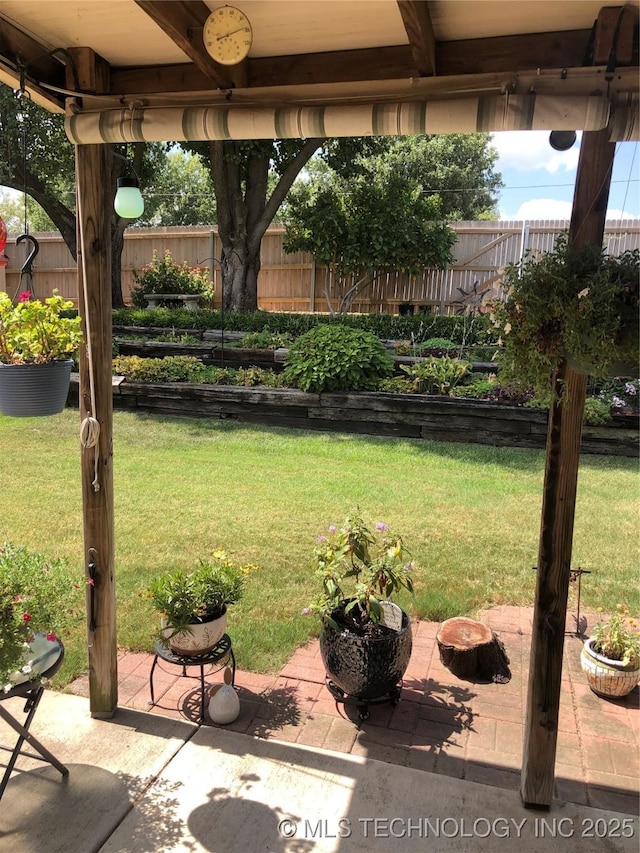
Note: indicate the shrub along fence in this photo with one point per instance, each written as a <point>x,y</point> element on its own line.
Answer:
<point>292,282</point>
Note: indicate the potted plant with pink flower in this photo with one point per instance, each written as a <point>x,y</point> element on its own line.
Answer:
<point>365,639</point>
<point>39,600</point>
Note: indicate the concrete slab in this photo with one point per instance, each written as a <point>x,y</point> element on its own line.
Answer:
<point>231,793</point>
<point>110,762</point>
<point>142,783</point>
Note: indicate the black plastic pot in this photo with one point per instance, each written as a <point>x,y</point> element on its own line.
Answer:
<point>366,668</point>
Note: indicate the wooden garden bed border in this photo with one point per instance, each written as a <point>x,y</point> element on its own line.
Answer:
<point>417,416</point>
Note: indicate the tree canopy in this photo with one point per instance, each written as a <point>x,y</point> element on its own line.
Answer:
<point>375,205</point>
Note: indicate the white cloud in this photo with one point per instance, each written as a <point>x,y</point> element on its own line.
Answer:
<point>542,208</point>
<point>525,150</point>
<point>553,208</point>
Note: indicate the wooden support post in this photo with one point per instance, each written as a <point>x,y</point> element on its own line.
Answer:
<point>93,176</point>
<point>591,195</point>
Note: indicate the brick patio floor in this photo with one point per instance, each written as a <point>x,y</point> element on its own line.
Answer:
<point>442,724</point>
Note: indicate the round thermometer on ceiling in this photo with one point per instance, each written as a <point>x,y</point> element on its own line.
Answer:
<point>227,35</point>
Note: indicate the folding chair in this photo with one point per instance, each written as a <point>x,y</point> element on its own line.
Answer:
<point>32,692</point>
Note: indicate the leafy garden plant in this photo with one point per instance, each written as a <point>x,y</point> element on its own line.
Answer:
<point>436,375</point>
<point>189,598</point>
<point>578,304</point>
<point>35,332</point>
<point>37,595</point>
<point>164,275</point>
<point>618,639</point>
<point>358,569</point>
<point>337,358</point>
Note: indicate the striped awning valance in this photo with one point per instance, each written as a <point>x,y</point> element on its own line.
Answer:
<point>466,115</point>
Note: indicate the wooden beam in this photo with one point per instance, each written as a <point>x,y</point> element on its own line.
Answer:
<point>19,49</point>
<point>94,202</point>
<point>513,53</point>
<point>509,54</point>
<point>591,195</point>
<point>183,22</point>
<point>615,35</point>
<point>90,72</point>
<point>417,22</point>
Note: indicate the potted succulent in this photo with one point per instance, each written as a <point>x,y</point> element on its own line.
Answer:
<point>611,658</point>
<point>193,605</point>
<point>575,304</point>
<point>36,347</point>
<point>39,599</point>
<point>365,639</point>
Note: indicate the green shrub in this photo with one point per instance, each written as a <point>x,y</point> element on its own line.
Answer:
<point>266,339</point>
<point>164,275</point>
<point>438,343</point>
<point>252,376</point>
<point>436,375</point>
<point>397,385</point>
<point>460,330</point>
<point>172,368</point>
<point>596,412</point>
<point>335,358</point>
<point>480,387</point>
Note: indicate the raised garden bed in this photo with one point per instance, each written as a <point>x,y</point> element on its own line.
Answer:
<point>402,416</point>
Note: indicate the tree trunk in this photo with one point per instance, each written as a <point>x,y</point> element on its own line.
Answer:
<point>117,243</point>
<point>466,648</point>
<point>240,178</point>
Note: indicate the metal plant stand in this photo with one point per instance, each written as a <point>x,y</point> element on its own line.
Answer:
<point>221,655</point>
<point>392,696</point>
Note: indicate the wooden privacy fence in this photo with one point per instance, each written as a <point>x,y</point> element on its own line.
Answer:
<point>293,282</point>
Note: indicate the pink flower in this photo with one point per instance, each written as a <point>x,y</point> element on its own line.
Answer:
<point>332,528</point>
<point>25,297</point>
<point>380,525</point>
<point>91,582</point>
<point>26,617</point>
<point>51,637</point>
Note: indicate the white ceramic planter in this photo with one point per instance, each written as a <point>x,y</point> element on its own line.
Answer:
<point>199,639</point>
<point>607,677</point>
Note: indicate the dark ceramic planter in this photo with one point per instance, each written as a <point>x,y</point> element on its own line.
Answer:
<point>31,390</point>
<point>366,668</point>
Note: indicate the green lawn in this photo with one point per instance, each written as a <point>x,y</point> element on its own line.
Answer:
<point>469,515</point>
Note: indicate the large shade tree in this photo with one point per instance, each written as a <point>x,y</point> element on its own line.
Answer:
<point>378,205</point>
<point>458,168</point>
<point>250,180</point>
<point>365,226</point>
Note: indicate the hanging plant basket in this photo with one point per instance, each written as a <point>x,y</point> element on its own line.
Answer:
<point>31,390</point>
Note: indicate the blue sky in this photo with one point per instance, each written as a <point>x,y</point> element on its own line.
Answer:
<point>539,181</point>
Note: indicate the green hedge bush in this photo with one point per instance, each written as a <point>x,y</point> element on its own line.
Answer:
<point>417,328</point>
<point>335,358</point>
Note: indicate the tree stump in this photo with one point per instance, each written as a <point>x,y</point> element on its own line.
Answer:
<point>470,650</point>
